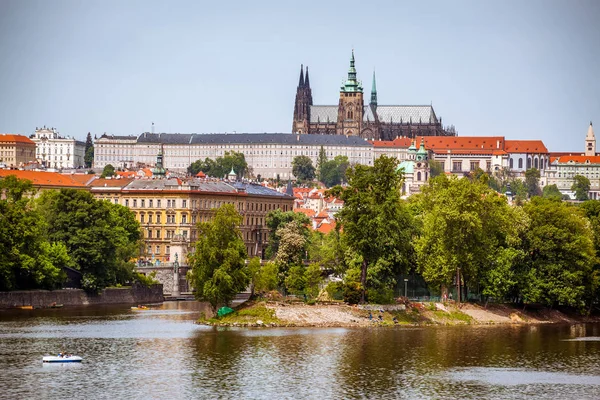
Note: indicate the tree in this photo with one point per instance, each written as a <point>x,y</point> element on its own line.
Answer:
<point>108,171</point>
<point>100,237</point>
<point>276,219</point>
<point>552,192</point>
<point>267,278</point>
<point>466,229</point>
<point>435,168</point>
<point>581,187</point>
<point>292,247</point>
<point>312,279</point>
<point>559,255</point>
<point>376,224</point>
<point>218,266</point>
<point>303,169</point>
<point>321,160</point>
<point>221,166</point>
<point>334,171</point>
<point>28,260</point>
<point>532,181</point>
<point>89,151</point>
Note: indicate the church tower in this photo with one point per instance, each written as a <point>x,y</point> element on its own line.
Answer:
<point>351,105</point>
<point>590,142</point>
<point>302,105</point>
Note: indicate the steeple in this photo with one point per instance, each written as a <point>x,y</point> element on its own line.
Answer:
<point>374,92</point>
<point>352,85</point>
<point>590,141</point>
<point>306,81</point>
<point>301,81</point>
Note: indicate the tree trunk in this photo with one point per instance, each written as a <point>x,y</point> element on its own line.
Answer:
<point>363,281</point>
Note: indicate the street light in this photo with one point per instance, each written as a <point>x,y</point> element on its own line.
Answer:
<point>406,287</point>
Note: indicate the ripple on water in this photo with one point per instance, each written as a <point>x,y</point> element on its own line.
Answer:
<point>518,376</point>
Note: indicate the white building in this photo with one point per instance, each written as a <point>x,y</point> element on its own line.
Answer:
<point>55,151</point>
<point>268,154</point>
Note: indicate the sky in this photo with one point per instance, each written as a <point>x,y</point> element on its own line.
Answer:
<point>519,69</point>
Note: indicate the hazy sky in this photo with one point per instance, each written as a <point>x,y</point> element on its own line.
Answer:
<point>522,69</point>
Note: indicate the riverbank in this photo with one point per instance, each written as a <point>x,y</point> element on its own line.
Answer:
<point>29,299</point>
<point>273,314</point>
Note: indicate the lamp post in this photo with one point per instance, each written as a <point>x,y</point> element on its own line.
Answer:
<point>406,287</point>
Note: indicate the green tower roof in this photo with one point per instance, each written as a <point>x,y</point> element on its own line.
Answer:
<point>352,85</point>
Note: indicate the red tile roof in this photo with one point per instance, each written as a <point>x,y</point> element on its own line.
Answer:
<point>45,179</point>
<point>101,182</point>
<point>325,228</point>
<point>10,138</point>
<point>577,159</point>
<point>306,211</point>
<point>201,174</point>
<point>472,144</point>
<point>525,146</point>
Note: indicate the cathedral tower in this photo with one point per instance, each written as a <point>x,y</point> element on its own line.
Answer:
<point>351,105</point>
<point>302,105</point>
<point>590,142</point>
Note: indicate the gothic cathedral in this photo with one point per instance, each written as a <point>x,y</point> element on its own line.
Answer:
<point>352,117</point>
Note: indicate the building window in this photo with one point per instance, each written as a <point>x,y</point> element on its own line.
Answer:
<point>158,218</point>
<point>142,218</point>
<point>134,203</point>
<point>474,165</point>
<point>157,250</point>
<point>510,163</point>
<point>528,163</point>
<point>158,203</point>
<point>488,165</point>
<point>193,219</point>
<point>143,203</point>
<point>168,250</point>
<point>520,163</point>
<point>150,203</point>
<point>535,163</point>
<point>419,176</point>
<point>149,233</point>
<point>149,218</point>
<point>184,204</point>
<point>456,166</point>
<point>184,218</point>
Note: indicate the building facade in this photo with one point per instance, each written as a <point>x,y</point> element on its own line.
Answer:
<point>353,118</point>
<point>268,154</point>
<point>16,150</point>
<point>55,151</point>
<point>169,209</point>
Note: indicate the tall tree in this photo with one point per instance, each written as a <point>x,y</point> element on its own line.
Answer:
<point>334,172</point>
<point>276,219</point>
<point>100,237</point>
<point>581,187</point>
<point>551,192</point>
<point>89,151</point>
<point>532,181</point>
<point>559,254</point>
<point>303,169</point>
<point>376,224</point>
<point>221,166</point>
<point>218,266</point>
<point>321,160</point>
<point>108,171</point>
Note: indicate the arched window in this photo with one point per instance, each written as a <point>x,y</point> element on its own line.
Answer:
<point>419,176</point>
<point>528,162</point>
<point>510,163</point>
<point>520,163</point>
<point>535,163</point>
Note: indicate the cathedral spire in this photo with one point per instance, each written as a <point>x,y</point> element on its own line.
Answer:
<point>352,85</point>
<point>306,81</point>
<point>374,92</point>
<point>301,81</point>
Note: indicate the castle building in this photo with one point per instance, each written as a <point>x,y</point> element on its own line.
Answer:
<point>351,117</point>
<point>55,151</point>
<point>15,150</point>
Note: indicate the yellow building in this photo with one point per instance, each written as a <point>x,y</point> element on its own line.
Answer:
<point>168,210</point>
<point>16,150</point>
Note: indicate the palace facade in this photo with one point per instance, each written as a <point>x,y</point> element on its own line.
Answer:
<point>55,151</point>
<point>352,117</point>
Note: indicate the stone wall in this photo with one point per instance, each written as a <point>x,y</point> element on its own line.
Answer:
<point>77,297</point>
<point>165,276</point>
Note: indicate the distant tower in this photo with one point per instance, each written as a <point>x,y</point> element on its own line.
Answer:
<point>373,102</point>
<point>590,142</point>
<point>351,106</point>
<point>159,171</point>
<point>302,105</point>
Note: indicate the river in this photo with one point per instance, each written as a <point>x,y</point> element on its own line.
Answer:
<point>161,354</point>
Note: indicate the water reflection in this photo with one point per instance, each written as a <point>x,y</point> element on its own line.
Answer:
<point>161,353</point>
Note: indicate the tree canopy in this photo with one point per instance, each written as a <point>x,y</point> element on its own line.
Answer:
<point>581,187</point>
<point>89,151</point>
<point>218,265</point>
<point>221,166</point>
<point>303,169</point>
<point>108,171</point>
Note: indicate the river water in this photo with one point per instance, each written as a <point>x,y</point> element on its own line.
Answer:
<point>161,354</point>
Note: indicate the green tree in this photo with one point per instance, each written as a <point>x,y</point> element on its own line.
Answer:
<point>552,192</point>
<point>436,168</point>
<point>334,171</point>
<point>108,171</point>
<point>276,219</point>
<point>221,166</point>
<point>100,237</point>
<point>532,181</point>
<point>89,151</point>
<point>295,281</point>
<point>559,248</point>
<point>321,160</point>
<point>28,260</point>
<point>581,187</point>
<point>267,278</point>
<point>303,169</point>
<point>293,245</point>
<point>467,228</point>
<point>218,266</point>
<point>312,278</point>
<point>377,226</point>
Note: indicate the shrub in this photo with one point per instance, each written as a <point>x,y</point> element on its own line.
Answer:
<point>335,290</point>
<point>381,296</point>
<point>352,292</point>
<point>145,280</point>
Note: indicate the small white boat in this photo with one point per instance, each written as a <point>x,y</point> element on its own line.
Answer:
<point>61,359</point>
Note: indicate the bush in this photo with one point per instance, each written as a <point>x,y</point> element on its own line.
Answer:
<point>352,292</point>
<point>381,296</point>
<point>335,290</point>
<point>145,280</point>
